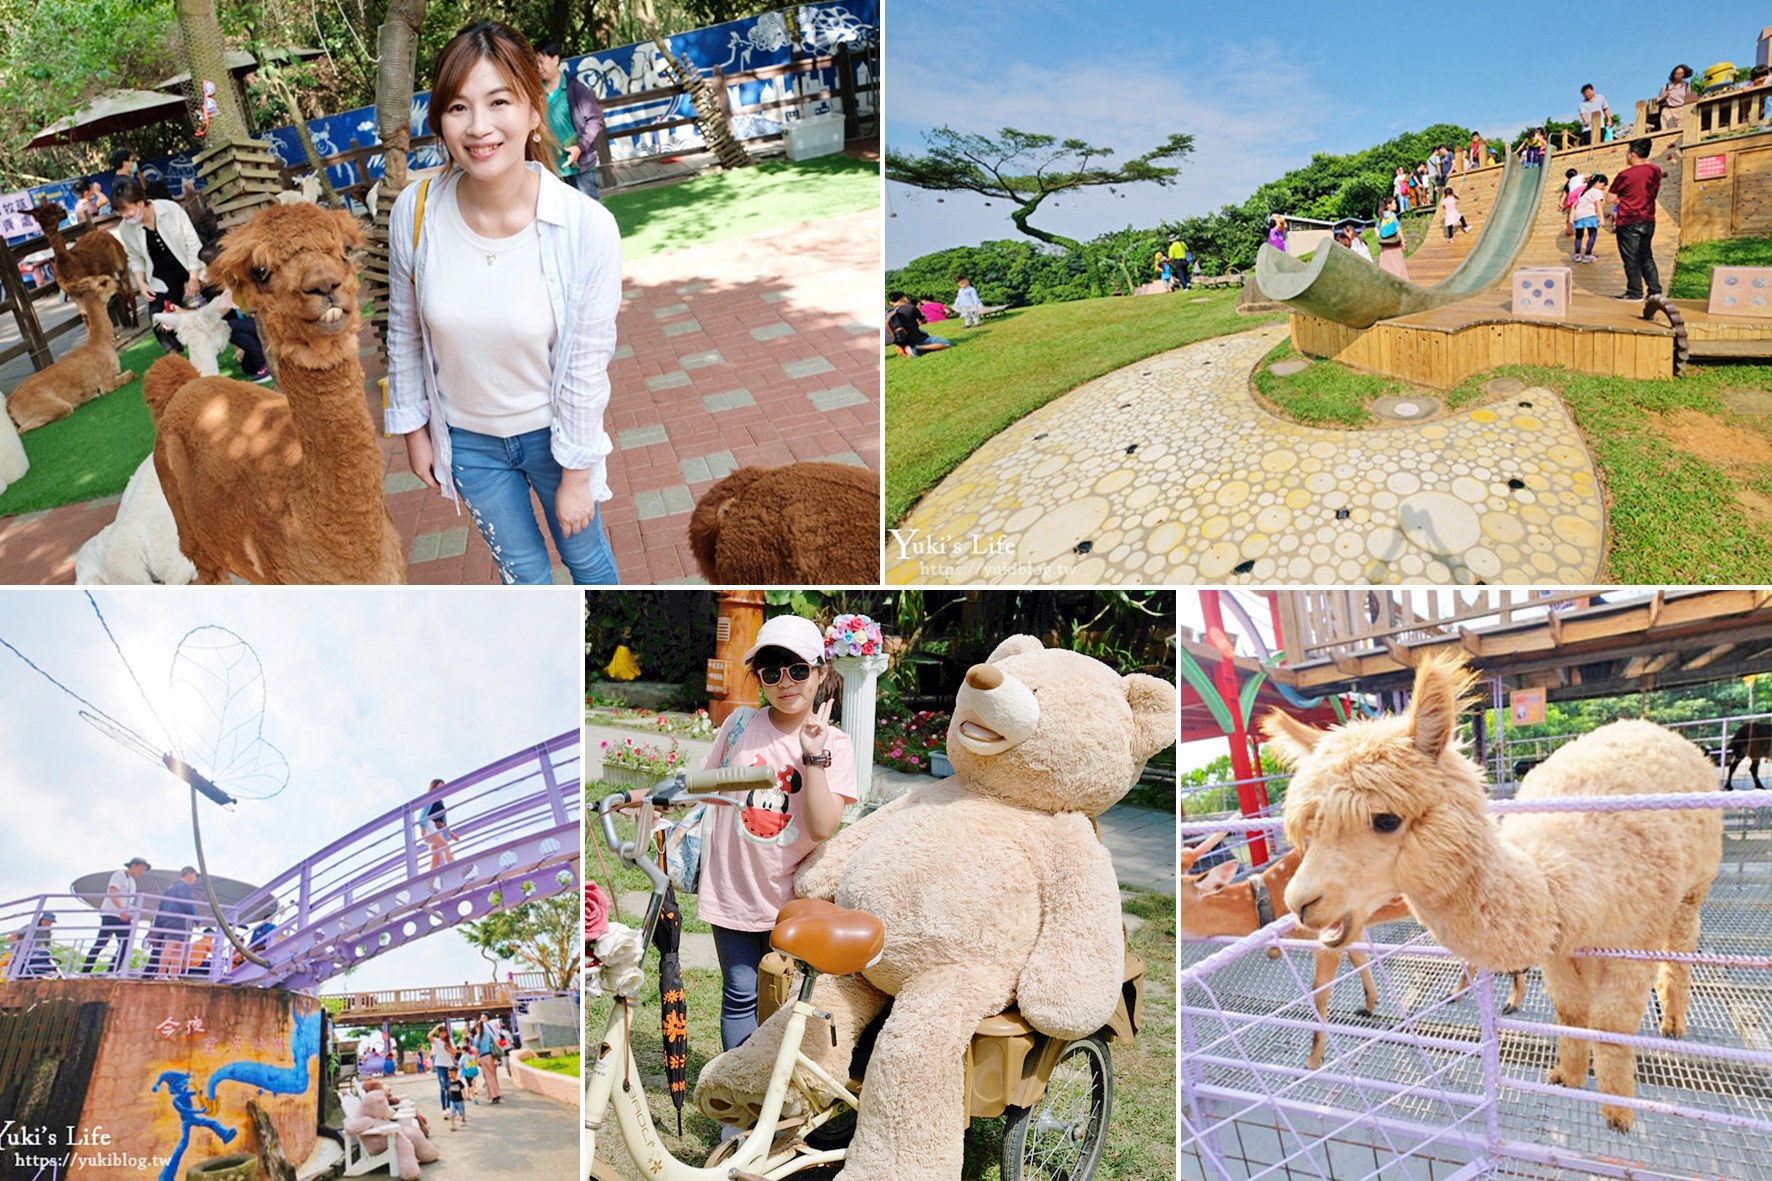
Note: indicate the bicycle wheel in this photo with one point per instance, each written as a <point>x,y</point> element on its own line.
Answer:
<point>1061,1137</point>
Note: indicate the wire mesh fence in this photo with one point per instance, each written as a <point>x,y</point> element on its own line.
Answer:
<point>1436,1083</point>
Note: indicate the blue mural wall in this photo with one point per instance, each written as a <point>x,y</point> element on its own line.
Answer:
<point>774,38</point>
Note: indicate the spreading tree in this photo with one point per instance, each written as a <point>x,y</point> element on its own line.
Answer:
<point>545,936</point>
<point>1024,168</point>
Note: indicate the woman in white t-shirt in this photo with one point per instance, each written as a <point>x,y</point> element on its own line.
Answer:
<point>750,851</point>
<point>502,318</point>
<point>442,1060</point>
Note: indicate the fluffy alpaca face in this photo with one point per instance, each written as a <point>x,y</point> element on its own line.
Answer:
<point>486,126</point>
<point>292,266</point>
<point>1381,807</point>
<point>99,287</point>
<point>47,217</point>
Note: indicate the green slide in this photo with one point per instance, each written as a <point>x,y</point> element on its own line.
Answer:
<point>1338,285</point>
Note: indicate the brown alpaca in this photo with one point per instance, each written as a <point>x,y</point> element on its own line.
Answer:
<point>1392,805</point>
<point>87,370</point>
<point>280,488</point>
<point>1212,905</point>
<point>96,253</point>
<point>804,524</point>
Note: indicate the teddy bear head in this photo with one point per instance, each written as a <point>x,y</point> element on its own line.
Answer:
<point>1056,731</point>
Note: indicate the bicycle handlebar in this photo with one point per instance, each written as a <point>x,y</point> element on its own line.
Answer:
<point>664,794</point>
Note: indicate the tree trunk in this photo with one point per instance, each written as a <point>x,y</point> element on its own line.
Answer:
<point>1020,218</point>
<point>395,42</point>
<point>204,55</point>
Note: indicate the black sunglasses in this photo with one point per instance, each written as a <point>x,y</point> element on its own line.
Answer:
<point>772,676</point>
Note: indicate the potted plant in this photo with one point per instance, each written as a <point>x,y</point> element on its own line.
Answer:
<point>639,764</point>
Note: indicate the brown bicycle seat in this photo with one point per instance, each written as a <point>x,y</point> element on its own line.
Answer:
<point>833,940</point>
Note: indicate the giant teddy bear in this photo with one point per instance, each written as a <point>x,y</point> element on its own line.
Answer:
<point>411,1147</point>
<point>993,889</point>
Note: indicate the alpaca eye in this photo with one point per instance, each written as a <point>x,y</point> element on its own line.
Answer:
<point>261,275</point>
<point>1387,822</point>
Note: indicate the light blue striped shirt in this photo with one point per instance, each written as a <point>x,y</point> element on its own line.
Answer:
<point>581,264</point>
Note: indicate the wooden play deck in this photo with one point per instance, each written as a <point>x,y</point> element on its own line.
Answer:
<point>1441,347</point>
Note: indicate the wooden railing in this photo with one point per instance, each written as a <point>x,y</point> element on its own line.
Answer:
<point>1324,624</point>
<point>21,301</point>
<point>1733,112</point>
<point>397,1002</point>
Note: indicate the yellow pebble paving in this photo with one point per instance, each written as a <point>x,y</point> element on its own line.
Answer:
<point>1167,471</point>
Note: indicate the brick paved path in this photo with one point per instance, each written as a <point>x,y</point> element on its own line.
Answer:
<point>762,350</point>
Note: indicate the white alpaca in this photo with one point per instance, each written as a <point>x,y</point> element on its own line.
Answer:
<point>1391,806</point>
<point>203,333</point>
<point>141,545</point>
<point>13,463</point>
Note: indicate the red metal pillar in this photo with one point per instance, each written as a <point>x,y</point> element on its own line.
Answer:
<point>1249,794</point>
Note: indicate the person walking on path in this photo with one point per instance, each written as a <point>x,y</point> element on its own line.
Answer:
<point>442,1061</point>
<point>173,921</point>
<point>436,830</point>
<point>1592,104</point>
<point>1390,243</point>
<point>752,848</point>
<point>1633,196</point>
<point>485,1044</point>
<point>454,1091</point>
<point>574,116</point>
<point>1178,260</point>
<point>503,292</point>
<point>116,914</point>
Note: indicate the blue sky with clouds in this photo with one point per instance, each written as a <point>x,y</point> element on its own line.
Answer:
<point>370,693</point>
<point>1260,88</point>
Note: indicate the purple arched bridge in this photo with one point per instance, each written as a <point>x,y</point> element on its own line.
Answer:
<point>516,828</point>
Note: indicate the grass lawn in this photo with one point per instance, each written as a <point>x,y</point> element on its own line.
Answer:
<point>1141,1138</point>
<point>1330,394</point>
<point>771,195</point>
<point>556,1063</point>
<point>93,451</point>
<point>942,407</point>
<point>1692,268</point>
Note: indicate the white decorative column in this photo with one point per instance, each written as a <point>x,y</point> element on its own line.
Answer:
<point>861,675</point>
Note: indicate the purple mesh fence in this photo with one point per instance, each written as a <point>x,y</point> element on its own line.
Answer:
<point>1437,1084</point>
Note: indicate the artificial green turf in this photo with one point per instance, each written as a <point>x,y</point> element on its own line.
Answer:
<point>93,451</point>
<point>1692,268</point>
<point>720,205</point>
<point>943,406</point>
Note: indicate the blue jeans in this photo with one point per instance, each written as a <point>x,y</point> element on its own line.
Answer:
<point>495,477</point>
<point>739,953</point>
<point>585,181</point>
<point>442,1073</point>
<point>927,339</point>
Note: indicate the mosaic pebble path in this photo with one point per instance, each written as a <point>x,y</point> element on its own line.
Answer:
<point>1168,471</point>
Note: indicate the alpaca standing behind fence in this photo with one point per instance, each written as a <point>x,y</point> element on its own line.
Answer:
<point>1392,806</point>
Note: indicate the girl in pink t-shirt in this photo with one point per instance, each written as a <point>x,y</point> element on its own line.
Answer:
<point>750,851</point>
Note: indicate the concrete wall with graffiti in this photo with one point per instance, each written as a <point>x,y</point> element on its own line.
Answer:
<point>772,38</point>
<point>176,1066</point>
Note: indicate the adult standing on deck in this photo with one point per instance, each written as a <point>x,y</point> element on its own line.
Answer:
<point>1674,96</point>
<point>1633,194</point>
<point>1593,103</point>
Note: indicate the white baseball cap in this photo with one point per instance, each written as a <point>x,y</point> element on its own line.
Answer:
<point>798,635</point>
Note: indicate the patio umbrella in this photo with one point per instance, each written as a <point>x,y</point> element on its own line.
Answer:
<point>109,113</point>
<point>673,1012</point>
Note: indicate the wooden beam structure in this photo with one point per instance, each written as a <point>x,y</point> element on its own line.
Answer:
<point>1575,644</point>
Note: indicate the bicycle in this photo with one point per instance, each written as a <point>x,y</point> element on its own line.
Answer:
<point>1057,1094</point>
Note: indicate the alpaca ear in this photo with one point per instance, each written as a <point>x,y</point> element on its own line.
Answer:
<point>1288,737</point>
<point>233,266</point>
<point>1434,706</point>
<point>1015,646</point>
